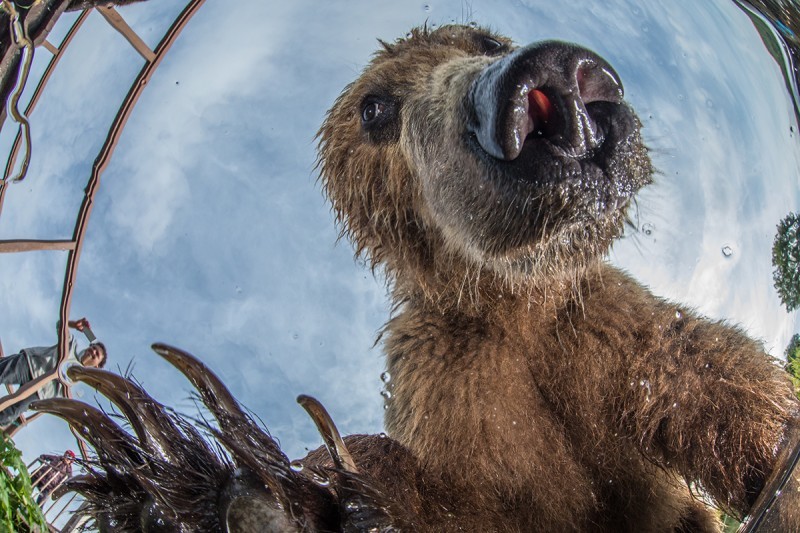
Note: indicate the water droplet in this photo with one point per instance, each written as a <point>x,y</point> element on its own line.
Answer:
<point>727,251</point>
<point>386,377</point>
<point>473,24</point>
<point>678,315</point>
<point>648,228</point>
<point>296,466</point>
<point>646,384</point>
<point>351,506</point>
<point>295,336</point>
<point>386,394</point>
<point>426,8</point>
<point>382,435</point>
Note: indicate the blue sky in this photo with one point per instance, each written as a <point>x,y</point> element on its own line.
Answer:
<point>210,231</point>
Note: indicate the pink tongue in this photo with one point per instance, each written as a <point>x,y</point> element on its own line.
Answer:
<point>540,109</point>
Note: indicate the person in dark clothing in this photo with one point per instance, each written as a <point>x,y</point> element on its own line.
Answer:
<point>53,471</point>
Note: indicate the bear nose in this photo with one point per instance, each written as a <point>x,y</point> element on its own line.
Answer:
<point>542,90</point>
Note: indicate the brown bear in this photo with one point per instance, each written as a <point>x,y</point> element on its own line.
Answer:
<point>534,387</point>
<point>560,394</point>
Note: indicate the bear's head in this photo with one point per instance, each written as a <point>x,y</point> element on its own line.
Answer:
<point>456,153</point>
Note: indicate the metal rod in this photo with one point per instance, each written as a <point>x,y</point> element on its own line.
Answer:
<point>28,389</point>
<point>104,157</point>
<point>37,93</point>
<point>65,507</point>
<point>31,245</point>
<point>50,47</point>
<point>119,24</point>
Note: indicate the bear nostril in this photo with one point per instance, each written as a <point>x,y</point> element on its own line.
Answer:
<point>540,112</point>
<point>533,113</point>
<point>598,84</point>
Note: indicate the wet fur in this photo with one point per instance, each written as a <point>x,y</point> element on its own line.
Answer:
<point>544,388</point>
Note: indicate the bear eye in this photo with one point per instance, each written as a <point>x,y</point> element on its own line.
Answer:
<point>371,110</point>
<point>491,46</point>
<point>379,117</point>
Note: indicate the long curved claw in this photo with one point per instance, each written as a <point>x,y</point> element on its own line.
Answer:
<point>95,426</point>
<point>169,477</point>
<point>75,484</point>
<point>330,434</point>
<point>250,446</point>
<point>113,445</point>
<point>362,506</point>
<point>212,391</point>
<point>154,429</point>
<point>181,484</point>
<point>219,400</point>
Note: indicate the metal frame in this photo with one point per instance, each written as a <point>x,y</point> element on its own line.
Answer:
<point>74,246</point>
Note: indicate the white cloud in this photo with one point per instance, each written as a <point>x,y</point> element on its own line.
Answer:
<point>209,232</point>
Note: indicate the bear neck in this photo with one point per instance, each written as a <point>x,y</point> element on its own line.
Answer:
<point>459,288</point>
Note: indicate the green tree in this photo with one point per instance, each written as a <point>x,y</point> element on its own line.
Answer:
<point>793,356</point>
<point>786,260</point>
<point>18,510</point>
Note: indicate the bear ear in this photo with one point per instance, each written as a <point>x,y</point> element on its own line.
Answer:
<point>491,46</point>
<point>386,46</point>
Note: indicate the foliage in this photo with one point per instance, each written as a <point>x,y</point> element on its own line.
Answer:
<point>730,524</point>
<point>786,260</point>
<point>18,509</point>
<point>793,361</point>
<point>793,350</point>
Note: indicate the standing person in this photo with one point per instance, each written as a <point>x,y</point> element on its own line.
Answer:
<point>54,470</point>
<point>30,363</point>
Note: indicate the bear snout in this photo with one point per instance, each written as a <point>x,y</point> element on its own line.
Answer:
<point>546,92</point>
